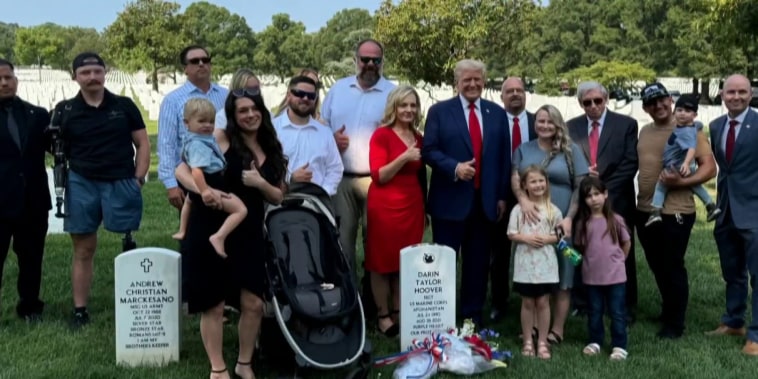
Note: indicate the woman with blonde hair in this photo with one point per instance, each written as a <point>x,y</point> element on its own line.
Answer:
<point>243,79</point>
<point>313,74</point>
<point>566,166</point>
<point>395,202</point>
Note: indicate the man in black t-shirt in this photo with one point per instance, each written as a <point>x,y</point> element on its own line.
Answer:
<point>101,131</point>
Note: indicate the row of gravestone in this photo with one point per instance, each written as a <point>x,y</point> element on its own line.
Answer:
<point>148,300</point>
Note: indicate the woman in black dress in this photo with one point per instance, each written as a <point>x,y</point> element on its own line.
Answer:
<point>255,172</point>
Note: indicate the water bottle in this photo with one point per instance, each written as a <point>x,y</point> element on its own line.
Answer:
<point>564,248</point>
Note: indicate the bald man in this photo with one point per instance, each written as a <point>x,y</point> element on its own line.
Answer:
<point>521,129</point>
<point>733,142</point>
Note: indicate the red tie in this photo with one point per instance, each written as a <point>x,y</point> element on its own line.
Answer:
<point>476,141</point>
<point>593,142</point>
<point>730,137</point>
<point>515,135</point>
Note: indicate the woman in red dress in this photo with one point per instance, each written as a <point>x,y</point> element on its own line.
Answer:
<point>395,203</point>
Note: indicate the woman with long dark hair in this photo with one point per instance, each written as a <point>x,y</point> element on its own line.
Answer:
<point>255,172</point>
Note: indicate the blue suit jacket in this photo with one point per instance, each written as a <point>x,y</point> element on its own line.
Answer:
<point>737,180</point>
<point>447,142</point>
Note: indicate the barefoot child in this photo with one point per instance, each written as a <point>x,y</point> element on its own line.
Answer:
<point>535,267</point>
<point>603,237</point>
<point>205,159</point>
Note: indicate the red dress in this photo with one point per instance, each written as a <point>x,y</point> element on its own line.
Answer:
<point>395,210</point>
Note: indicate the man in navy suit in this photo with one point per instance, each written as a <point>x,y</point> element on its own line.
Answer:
<point>613,158</point>
<point>520,129</point>
<point>734,138</point>
<point>466,145</point>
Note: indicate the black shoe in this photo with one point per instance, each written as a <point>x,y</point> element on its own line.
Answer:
<point>33,318</point>
<point>668,333</point>
<point>79,320</point>
<point>713,211</point>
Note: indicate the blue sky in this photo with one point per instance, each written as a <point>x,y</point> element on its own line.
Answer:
<point>100,13</point>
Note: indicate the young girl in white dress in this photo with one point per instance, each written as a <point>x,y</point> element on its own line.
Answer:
<point>535,267</point>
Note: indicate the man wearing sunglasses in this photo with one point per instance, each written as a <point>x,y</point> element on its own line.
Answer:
<point>197,66</point>
<point>665,242</point>
<point>308,144</point>
<point>354,108</point>
<point>609,142</point>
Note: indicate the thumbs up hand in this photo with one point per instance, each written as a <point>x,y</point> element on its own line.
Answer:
<point>466,170</point>
<point>412,154</point>
<point>302,174</point>
<point>342,140</point>
<point>252,177</point>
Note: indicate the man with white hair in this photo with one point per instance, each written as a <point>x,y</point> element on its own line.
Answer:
<point>354,108</point>
<point>467,189</point>
<point>609,142</point>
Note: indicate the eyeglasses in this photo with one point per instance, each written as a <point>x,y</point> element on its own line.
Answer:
<point>196,61</point>
<point>377,60</point>
<point>589,102</point>
<point>249,91</point>
<point>303,94</point>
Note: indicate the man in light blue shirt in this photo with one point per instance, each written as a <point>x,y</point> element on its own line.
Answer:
<point>354,108</point>
<point>197,67</point>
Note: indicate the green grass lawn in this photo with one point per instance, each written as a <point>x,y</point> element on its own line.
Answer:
<point>51,350</point>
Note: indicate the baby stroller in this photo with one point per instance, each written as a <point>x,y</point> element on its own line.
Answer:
<point>313,297</point>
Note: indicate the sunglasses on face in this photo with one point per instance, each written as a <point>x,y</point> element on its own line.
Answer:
<point>196,61</point>
<point>303,94</point>
<point>377,60</point>
<point>249,91</point>
<point>589,102</point>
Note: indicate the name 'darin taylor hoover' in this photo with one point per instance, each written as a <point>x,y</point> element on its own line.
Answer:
<point>146,292</point>
<point>428,282</point>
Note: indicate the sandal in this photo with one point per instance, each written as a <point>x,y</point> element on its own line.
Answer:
<point>553,338</point>
<point>528,349</point>
<point>243,364</point>
<point>543,350</point>
<point>535,334</point>
<point>390,332</point>
<point>214,373</point>
<point>591,349</point>
<point>619,354</point>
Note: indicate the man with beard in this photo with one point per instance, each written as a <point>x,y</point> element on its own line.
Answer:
<point>353,108</point>
<point>101,131</point>
<point>736,231</point>
<point>521,129</point>
<point>308,144</point>
<point>609,142</point>
<point>665,243</point>
<point>24,195</point>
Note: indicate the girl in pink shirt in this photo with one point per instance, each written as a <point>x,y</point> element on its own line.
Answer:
<point>604,240</point>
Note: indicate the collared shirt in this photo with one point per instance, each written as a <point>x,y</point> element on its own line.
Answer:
<point>361,112</point>
<point>171,128</point>
<point>478,104</point>
<point>600,121</point>
<point>740,120</point>
<point>221,121</point>
<point>523,125</point>
<point>313,144</point>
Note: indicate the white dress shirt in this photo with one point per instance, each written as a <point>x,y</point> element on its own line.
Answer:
<point>523,125</point>
<point>600,121</point>
<point>740,120</point>
<point>466,111</point>
<point>361,112</point>
<point>314,144</point>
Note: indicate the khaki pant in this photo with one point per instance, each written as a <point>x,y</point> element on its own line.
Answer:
<point>350,205</point>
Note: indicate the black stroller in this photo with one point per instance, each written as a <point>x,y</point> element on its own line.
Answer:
<point>312,294</point>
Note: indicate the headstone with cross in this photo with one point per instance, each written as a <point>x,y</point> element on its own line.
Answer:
<point>148,306</point>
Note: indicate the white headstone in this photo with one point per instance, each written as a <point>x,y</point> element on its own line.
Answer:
<point>427,291</point>
<point>148,306</point>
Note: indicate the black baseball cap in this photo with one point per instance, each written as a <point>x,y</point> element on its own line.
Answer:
<point>86,59</point>
<point>653,92</point>
<point>688,102</point>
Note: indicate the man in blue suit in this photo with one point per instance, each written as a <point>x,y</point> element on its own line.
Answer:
<point>466,146</point>
<point>734,137</point>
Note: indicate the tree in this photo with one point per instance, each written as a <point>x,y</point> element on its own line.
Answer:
<point>227,36</point>
<point>429,36</point>
<point>40,45</point>
<point>79,40</point>
<point>282,47</point>
<point>7,40</point>
<point>613,74</point>
<point>147,35</point>
<point>336,41</point>
<point>732,24</point>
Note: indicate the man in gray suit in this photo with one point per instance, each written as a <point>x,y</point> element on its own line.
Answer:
<point>609,142</point>
<point>734,137</point>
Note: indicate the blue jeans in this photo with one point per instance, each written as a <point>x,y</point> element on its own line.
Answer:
<point>660,191</point>
<point>612,297</point>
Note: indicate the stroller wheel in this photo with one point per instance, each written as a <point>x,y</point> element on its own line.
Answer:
<point>358,373</point>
